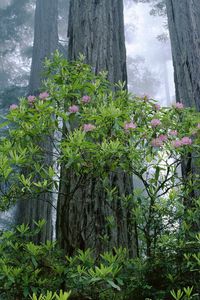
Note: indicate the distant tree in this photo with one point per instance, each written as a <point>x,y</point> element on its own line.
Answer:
<point>16,33</point>
<point>45,43</point>
<point>45,39</point>
<point>141,79</point>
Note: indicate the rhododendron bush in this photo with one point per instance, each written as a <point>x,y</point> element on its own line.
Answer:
<point>97,128</point>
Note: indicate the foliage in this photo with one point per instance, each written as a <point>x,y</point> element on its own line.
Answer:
<point>27,268</point>
<point>96,129</point>
<point>51,296</point>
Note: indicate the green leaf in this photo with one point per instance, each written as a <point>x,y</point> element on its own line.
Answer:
<point>110,282</point>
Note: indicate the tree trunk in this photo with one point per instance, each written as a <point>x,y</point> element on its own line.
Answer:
<point>45,39</point>
<point>184,28</point>
<point>45,43</point>
<point>96,29</point>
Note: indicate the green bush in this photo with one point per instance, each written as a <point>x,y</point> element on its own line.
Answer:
<point>107,130</point>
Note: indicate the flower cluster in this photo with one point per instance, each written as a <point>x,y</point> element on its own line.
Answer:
<point>13,106</point>
<point>155,122</point>
<point>129,125</point>
<point>173,132</point>
<point>183,142</point>
<point>31,99</point>
<point>73,109</point>
<point>157,107</point>
<point>86,99</point>
<point>179,105</point>
<point>88,127</point>
<point>158,142</point>
<point>43,95</point>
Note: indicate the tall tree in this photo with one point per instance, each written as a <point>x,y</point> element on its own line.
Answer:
<point>45,43</point>
<point>184,27</point>
<point>45,39</point>
<point>96,29</point>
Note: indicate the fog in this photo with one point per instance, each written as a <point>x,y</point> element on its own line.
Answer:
<point>149,60</point>
<point>4,3</point>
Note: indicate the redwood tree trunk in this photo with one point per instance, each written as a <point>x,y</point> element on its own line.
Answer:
<point>96,29</point>
<point>184,28</point>
<point>45,43</point>
<point>45,39</point>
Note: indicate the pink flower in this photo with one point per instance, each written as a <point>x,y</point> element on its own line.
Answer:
<point>198,125</point>
<point>86,99</point>
<point>179,105</point>
<point>155,122</point>
<point>157,107</point>
<point>73,109</point>
<point>177,143</point>
<point>173,132</point>
<point>43,95</point>
<point>163,137</point>
<point>13,106</point>
<point>186,141</point>
<point>88,127</point>
<point>31,99</point>
<point>157,142</point>
<point>130,125</point>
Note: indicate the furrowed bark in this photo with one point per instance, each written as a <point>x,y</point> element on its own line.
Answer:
<point>96,29</point>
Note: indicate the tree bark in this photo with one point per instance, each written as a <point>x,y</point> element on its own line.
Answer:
<point>184,28</point>
<point>96,29</point>
<point>45,39</point>
<point>45,43</point>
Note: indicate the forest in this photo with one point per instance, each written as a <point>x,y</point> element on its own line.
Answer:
<point>99,161</point>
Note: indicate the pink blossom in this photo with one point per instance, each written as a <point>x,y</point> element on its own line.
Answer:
<point>163,137</point>
<point>179,105</point>
<point>88,127</point>
<point>173,132</point>
<point>43,95</point>
<point>198,125</point>
<point>86,99</point>
<point>177,143</point>
<point>13,106</point>
<point>157,142</point>
<point>186,141</point>
<point>130,125</point>
<point>73,109</point>
<point>157,107</point>
<point>31,99</point>
<point>155,122</point>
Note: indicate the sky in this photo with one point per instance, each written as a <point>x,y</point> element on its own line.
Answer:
<point>141,31</point>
